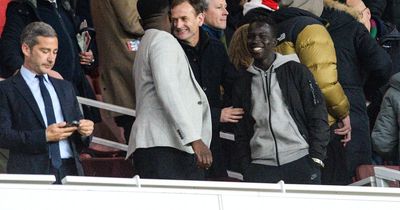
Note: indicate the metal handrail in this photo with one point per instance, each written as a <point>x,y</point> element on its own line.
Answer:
<point>106,106</point>
<point>126,111</point>
<point>385,175</point>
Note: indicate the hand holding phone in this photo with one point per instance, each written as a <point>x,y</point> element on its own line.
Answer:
<point>72,124</point>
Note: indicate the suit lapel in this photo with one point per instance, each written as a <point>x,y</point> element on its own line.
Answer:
<point>26,93</point>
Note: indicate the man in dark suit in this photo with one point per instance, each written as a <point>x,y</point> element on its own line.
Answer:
<point>35,109</point>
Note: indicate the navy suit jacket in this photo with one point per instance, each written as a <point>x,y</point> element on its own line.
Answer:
<point>22,129</point>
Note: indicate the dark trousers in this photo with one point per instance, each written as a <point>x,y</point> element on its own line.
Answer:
<point>68,167</point>
<point>125,122</point>
<point>359,149</point>
<point>335,171</point>
<point>301,171</point>
<point>218,167</point>
<point>166,163</point>
<point>342,162</point>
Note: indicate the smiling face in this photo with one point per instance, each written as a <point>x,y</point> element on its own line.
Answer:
<point>216,14</point>
<point>261,42</point>
<point>41,57</point>
<point>186,23</point>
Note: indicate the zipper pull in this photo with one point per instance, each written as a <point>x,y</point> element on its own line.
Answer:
<point>315,100</point>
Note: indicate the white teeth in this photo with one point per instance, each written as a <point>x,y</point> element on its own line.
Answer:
<point>257,49</point>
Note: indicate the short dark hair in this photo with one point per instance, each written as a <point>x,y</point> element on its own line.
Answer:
<point>151,8</point>
<point>198,5</point>
<point>265,20</point>
<point>33,30</point>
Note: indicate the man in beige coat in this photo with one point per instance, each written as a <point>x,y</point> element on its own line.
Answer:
<point>118,31</point>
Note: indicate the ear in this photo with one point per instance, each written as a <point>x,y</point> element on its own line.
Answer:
<point>200,18</point>
<point>26,50</point>
<point>368,13</point>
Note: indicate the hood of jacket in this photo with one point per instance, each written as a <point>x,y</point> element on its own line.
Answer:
<point>327,9</point>
<point>291,12</point>
<point>395,81</point>
<point>338,14</point>
<point>279,61</point>
<point>341,7</point>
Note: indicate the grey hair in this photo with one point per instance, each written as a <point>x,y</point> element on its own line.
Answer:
<point>33,30</point>
<point>206,3</point>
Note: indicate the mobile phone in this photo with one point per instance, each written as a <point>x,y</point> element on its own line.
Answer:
<point>72,124</point>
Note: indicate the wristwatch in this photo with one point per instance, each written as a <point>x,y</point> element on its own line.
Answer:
<point>319,162</point>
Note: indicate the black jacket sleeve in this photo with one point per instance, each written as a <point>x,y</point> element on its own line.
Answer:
<point>241,129</point>
<point>229,77</point>
<point>10,48</point>
<point>375,61</point>
<point>316,114</point>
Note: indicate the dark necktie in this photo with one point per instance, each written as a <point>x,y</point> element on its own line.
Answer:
<point>51,119</point>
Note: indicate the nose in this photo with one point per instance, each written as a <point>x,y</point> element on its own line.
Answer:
<point>178,23</point>
<point>51,58</point>
<point>225,11</point>
<point>256,38</point>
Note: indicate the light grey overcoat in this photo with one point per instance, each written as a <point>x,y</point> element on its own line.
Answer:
<point>171,108</point>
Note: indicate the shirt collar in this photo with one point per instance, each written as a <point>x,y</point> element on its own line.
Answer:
<point>29,76</point>
<point>213,32</point>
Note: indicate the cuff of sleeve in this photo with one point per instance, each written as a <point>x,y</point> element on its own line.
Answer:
<point>344,115</point>
<point>319,162</point>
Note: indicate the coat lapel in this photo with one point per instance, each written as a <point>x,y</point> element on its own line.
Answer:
<point>24,90</point>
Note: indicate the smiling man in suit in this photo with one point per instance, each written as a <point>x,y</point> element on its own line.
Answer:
<point>35,109</point>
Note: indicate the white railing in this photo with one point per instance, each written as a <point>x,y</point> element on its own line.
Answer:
<point>385,175</point>
<point>126,111</point>
<point>382,178</point>
<point>136,193</point>
<point>106,106</point>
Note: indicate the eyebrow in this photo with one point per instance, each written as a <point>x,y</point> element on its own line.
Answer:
<point>44,48</point>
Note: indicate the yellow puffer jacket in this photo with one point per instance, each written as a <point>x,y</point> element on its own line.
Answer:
<point>312,43</point>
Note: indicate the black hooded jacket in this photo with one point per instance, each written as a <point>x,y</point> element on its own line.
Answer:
<point>359,55</point>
